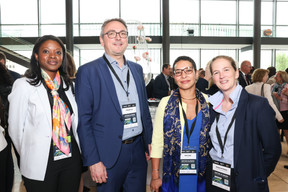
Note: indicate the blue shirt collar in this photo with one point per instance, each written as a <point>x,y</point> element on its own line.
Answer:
<point>113,61</point>
<point>217,98</point>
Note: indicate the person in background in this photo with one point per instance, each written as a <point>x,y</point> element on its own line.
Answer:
<point>149,88</point>
<point>278,90</point>
<point>70,66</point>
<point>6,162</point>
<point>206,84</point>
<point>115,126</point>
<point>202,83</point>
<point>181,129</point>
<point>271,75</point>
<point>259,78</point>
<point>43,121</point>
<point>201,73</point>
<point>161,85</point>
<point>3,151</point>
<point>3,60</point>
<point>244,77</point>
<point>173,84</point>
<point>246,144</point>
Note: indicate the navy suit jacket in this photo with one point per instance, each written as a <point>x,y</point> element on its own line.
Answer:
<point>257,146</point>
<point>242,80</point>
<point>160,87</point>
<point>101,122</point>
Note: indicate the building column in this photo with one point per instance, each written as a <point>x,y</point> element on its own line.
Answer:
<point>166,32</point>
<point>69,26</point>
<point>257,34</point>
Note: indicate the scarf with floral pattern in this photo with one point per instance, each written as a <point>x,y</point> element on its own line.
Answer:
<point>61,116</point>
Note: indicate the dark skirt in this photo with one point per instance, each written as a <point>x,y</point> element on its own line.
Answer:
<point>283,125</point>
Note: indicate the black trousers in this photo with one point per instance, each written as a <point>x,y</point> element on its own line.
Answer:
<point>61,176</point>
<point>3,168</point>
<point>6,167</point>
<point>212,188</point>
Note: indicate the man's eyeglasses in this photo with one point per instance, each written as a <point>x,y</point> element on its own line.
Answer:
<point>113,34</point>
<point>187,70</point>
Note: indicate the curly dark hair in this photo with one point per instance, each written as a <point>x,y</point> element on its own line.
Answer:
<point>34,73</point>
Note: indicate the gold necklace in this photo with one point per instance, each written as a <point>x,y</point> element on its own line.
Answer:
<point>189,99</point>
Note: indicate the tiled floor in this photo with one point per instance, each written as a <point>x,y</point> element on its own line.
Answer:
<point>278,180</point>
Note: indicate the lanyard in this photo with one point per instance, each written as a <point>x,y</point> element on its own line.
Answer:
<point>117,77</point>
<point>188,134</point>
<point>226,134</point>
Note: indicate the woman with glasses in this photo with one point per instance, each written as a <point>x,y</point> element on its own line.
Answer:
<point>246,144</point>
<point>180,134</point>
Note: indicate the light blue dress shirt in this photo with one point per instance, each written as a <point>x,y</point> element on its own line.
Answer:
<point>122,97</point>
<point>223,123</point>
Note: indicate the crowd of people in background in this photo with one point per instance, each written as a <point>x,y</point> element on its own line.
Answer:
<point>216,129</point>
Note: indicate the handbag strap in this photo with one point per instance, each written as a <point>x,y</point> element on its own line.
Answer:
<point>262,90</point>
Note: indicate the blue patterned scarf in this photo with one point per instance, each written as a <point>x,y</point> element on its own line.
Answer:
<point>172,141</point>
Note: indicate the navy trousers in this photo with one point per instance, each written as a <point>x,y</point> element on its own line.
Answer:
<point>130,171</point>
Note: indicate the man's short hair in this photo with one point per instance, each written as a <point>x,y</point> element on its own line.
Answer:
<point>3,56</point>
<point>165,66</point>
<point>109,21</point>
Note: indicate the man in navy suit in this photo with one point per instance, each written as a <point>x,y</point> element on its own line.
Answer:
<point>161,85</point>
<point>115,126</point>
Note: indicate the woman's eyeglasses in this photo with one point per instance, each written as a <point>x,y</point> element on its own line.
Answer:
<point>187,70</point>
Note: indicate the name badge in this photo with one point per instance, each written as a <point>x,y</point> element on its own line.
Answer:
<point>130,115</point>
<point>58,154</point>
<point>188,161</point>
<point>221,175</point>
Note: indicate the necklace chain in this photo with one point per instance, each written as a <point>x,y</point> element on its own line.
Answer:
<point>189,99</point>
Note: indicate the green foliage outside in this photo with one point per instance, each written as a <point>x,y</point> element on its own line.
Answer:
<point>281,61</point>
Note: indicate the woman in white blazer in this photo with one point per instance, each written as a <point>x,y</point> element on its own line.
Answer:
<point>43,121</point>
<point>260,88</point>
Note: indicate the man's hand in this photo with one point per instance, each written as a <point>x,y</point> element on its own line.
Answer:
<point>98,172</point>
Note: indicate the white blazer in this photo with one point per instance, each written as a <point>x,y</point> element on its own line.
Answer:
<point>3,142</point>
<point>30,126</point>
<point>255,89</point>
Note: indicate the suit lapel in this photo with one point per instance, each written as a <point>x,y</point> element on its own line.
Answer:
<point>43,96</point>
<point>110,85</point>
<point>239,124</point>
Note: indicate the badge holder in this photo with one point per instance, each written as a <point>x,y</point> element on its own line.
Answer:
<point>58,154</point>
<point>130,115</point>
<point>221,175</point>
<point>188,160</point>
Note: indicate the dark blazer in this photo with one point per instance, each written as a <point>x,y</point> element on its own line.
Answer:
<point>242,80</point>
<point>160,87</point>
<point>101,122</point>
<point>255,130</point>
<point>202,84</point>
